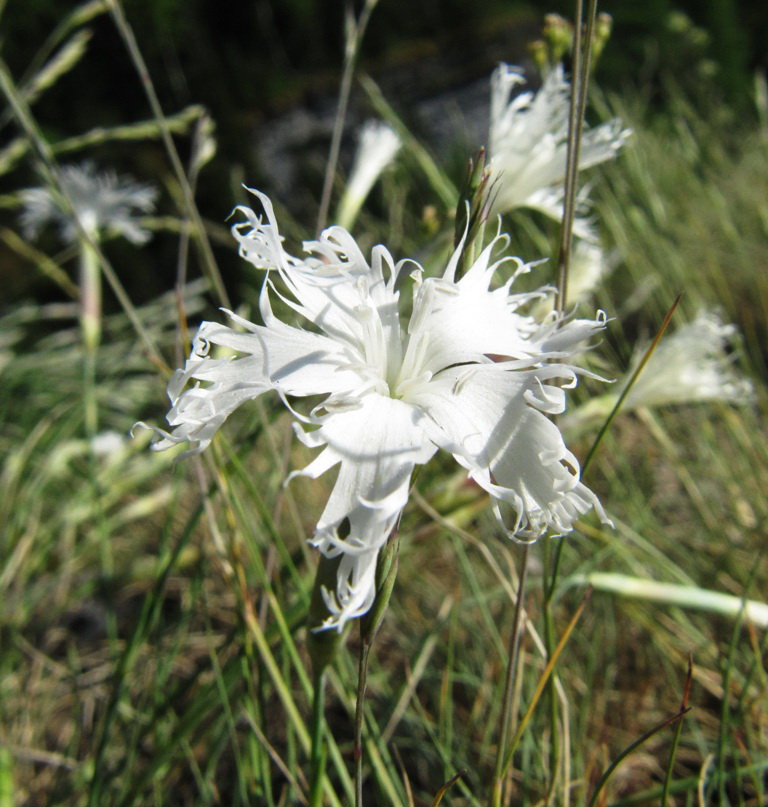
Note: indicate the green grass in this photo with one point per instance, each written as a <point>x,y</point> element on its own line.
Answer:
<point>153,648</point>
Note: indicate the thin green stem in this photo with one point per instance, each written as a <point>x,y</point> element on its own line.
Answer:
<point>51,174</point>
<point>545,676</point>
<point>318,748</point>
<point>355,33</point>
<point>549,643</point>
<point>630,748</point>
<point>190,208</point>
<point>678,732</point>
<point>362,682</point>
<point>90,326</point>
<point>510,682</point>
<point>580,80</point>
<point>725,712</point>
<point>648,353</point>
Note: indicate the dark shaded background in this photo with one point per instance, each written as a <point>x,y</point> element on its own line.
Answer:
<point>266,68</point>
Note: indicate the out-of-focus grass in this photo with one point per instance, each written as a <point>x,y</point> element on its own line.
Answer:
<point>152,616</point>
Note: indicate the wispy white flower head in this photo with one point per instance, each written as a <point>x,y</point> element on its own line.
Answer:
<point>528,144</point>
<point>691,365</point>
<point>377,148</point>
<point>102,201</point>
<point>468,373</point>
<point>589,266</point>
<point>108,444</point>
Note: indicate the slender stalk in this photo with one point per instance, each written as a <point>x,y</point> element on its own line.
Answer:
<point>632,747</point>
<point>725,712</point>
<point>90,327</point>
<point>51,174</point>
<point>318,750</point>
<point>549,642</point>
<point>580,79</point>
<point>545,677</point>
<point>604,428</point>
<point>678,732</point>
<point>362,681</point>
<point>510,682</point>
<point>190,208</point>
<point>355,33</point>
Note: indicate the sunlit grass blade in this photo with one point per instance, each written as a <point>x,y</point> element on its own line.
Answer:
<point>190,208</point>
<point>648,353</point>
<point>446,787</point>
<point>630,749</point>
<point>678,732</point>
<point>701,599</point>
<point>543,682</point>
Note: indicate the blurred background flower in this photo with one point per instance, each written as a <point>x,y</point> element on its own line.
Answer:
<point>103,202</point>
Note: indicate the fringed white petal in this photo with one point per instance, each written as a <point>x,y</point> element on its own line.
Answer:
<point>471,374</point>
<point>528,144</point>
<point>693,364</point>
<point>281,357</point>
<point>376,447</point>
<point>491,419</point>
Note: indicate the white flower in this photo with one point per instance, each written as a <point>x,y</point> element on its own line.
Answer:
<point>108,444</point>
<point>467,373</point>
<point>528,145</point>
<point>101,201</point>
<point>689,366</point>
<point>377,148</point>
<point>589,265</point>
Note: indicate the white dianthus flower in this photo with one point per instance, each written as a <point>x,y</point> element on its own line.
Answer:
<point>468,373</point>
<point>690,365</point>
<point>528,145</point>
<point>377,148</point>
<point>102,201</point>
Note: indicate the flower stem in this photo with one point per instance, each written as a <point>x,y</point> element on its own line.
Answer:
<point>51,174</point>
<point>362,680</point>
<point>620,400</point>
<point>355,33</point>
<point>90,326</point>
<point>678,732</point>
<point>511,680</point>
<point>549,641</point>
<point>318,749</point>
<point>581,60</point>
<point>210,267</point>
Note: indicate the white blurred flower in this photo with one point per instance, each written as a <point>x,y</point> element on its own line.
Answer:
<point>467,373</point>
<point>693,364</point>
<point>108,444</point>
<point>102,201</point>
<point>377,148</point>
<point>528,145</point>
<point>588,267</point>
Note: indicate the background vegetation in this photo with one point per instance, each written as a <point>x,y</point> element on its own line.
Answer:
<point>151,616</point>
